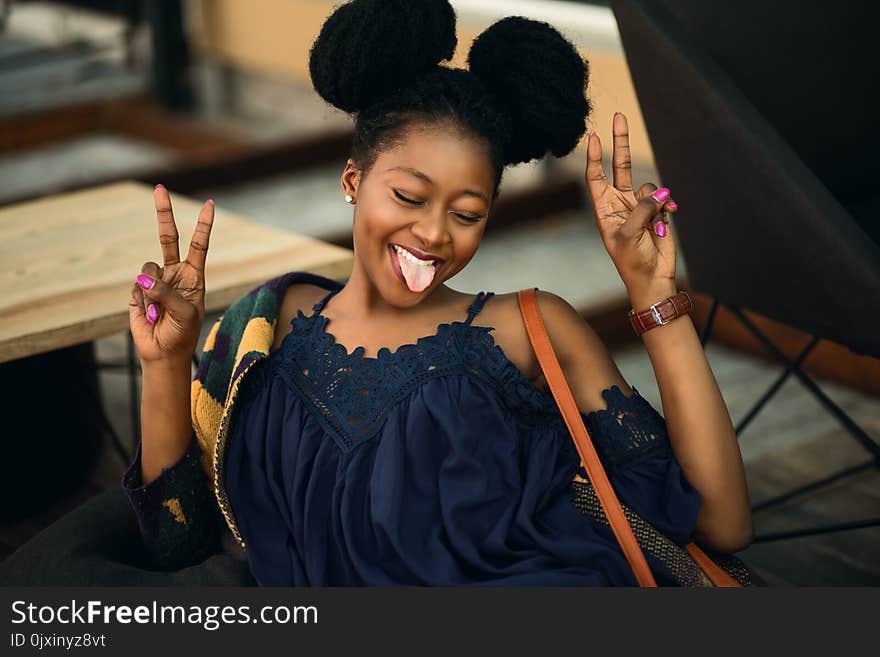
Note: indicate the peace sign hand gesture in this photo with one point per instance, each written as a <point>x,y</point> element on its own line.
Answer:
<point>167,306</point>
<point>642,251</point>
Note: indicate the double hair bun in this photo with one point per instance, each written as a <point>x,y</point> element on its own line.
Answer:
<point>369,50</point>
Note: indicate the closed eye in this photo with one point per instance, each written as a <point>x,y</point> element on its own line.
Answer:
<point>406,199</point>
<point>468,218</point>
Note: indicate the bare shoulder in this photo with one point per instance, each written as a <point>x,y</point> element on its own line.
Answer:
<point>584,358</point>
<point>300,296</point>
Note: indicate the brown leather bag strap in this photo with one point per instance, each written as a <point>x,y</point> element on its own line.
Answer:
<point>531,314</point>
<point>534,323</point>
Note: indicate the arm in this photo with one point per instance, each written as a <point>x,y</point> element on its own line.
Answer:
<point>165,415</point>
<point>165,484</point>
<point>700,428</point>
<point>698,425</point>
<point>633,227</point>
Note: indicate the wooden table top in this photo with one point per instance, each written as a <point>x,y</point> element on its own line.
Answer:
<point>67,262</point>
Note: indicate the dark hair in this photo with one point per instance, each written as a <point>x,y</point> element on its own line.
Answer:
<point>523,91</point>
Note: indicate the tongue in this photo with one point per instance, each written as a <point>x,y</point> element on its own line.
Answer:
<point>417,277</point>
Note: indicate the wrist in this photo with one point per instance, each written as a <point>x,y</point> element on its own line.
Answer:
<point>167,367</point>
<point>644,296</point>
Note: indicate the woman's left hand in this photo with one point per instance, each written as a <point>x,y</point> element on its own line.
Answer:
<point>626,220</point>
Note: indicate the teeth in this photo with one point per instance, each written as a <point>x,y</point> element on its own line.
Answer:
<point>409,256</point>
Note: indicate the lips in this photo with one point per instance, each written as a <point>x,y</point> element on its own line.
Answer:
<point>423,256</point>
<point>395,265</point>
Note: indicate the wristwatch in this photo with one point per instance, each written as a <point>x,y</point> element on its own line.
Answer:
<point>660,313</point>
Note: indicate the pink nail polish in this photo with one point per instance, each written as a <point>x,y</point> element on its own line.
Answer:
<point>672,205</point>
<point>160,186</point>
<point>152,314</point>
<point>661,194</point>
<point>660,229</point>
<point>211,201</point>
<point>145,281</point>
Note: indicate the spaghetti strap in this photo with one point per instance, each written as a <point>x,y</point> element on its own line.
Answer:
<point>477,305</point>
<point>318,307</point>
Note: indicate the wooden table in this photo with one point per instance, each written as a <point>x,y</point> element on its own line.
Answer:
<point>67,262</point>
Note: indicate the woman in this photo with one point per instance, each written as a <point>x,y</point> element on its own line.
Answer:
<point>386,436</point>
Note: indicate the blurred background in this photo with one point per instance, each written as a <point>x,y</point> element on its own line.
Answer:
<point>212,98</point>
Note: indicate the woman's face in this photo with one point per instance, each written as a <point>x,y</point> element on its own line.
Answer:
<point>431,194</point>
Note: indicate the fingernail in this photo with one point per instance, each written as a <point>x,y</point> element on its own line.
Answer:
<point>152,314</point>
<point>160,186</point>
<point>211,201</point>
<point>145,281</point>
<point>661,194</point>
<point>660,229</point>
<point>672,205</point>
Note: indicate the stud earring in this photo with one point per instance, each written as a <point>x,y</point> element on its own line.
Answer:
<point>349,198</point>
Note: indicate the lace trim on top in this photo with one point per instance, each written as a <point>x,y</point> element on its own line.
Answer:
<point>628,430</point>
<point>353,394</point>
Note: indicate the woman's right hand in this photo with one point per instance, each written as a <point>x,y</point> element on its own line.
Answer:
<point>170,332</point>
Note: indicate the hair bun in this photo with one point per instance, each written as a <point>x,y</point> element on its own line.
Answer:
<point>539,79</point>
<point>368,48</point>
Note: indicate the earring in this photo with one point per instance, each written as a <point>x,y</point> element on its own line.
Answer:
<point>349,198</point>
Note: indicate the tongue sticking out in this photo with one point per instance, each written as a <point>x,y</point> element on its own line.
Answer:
<point>418,277</point>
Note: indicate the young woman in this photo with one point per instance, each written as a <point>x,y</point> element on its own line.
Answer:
<point>394,430</point>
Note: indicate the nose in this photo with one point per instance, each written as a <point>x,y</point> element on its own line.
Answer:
<point>431,230</point>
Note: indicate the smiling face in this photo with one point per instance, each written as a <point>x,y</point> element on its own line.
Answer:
<point>431,194</point>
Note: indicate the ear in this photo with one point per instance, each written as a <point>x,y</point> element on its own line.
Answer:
<point>351,178</point>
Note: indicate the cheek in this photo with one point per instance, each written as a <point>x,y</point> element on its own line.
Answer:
<point>466,246</point>
<point>377,221</point>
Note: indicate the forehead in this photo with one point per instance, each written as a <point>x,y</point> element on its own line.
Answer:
<point>447,157</point>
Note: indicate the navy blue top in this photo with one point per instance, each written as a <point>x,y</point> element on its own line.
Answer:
<point>436,464</point>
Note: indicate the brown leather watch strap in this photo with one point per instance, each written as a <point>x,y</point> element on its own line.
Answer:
<point>661,312</point>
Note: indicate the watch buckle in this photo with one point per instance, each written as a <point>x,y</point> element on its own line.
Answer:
<point>656,315</point>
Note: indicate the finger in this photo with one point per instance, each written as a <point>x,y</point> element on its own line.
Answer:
<point>669,206</point>
<point>645,190</point>
<point>621,162</point>
<point>166,299</point>
<point>644,213</point>
<point>168,235</point>
<point>595,174</point>
<point>663,231</point>
<point>154,271</point>
<point>198,246</point>
<point>136,314</point>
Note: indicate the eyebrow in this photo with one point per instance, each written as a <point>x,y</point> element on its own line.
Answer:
<point>419,174</point>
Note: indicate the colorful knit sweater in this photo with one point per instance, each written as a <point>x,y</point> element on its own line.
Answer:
<point>181,513</point>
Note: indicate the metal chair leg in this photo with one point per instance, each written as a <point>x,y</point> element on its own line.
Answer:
<point>793,367</point>
<point>855,430</point>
